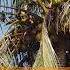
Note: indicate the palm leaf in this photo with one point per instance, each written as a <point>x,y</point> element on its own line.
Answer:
<point>46,56</point>
<point>43,5</point>
<point>56,1</point>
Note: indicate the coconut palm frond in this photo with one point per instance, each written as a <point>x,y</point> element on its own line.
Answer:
<point>65,17</point>
<point>6,56</point>
<point>27,24</point>
<point>43,5</point>
<point>46,56</point>
<point>56,1</point>
<point>6,60</point>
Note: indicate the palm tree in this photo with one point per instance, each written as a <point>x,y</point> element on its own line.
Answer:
<point>29,33</point>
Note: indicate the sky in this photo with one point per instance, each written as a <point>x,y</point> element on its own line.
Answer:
<point>3,25</point>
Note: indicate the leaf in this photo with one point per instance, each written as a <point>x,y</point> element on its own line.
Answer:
<point>46,56</point>
<point>56,1</point>
<point>43,5</point>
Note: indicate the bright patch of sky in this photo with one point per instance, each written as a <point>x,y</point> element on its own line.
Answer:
<point>5,27</point>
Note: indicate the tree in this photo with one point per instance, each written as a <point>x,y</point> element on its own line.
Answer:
<point>30,32</point>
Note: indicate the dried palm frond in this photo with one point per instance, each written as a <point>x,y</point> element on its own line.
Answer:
<point>65,17</point>
<point>46,56</point>
<point>13,21</point>
<point>56,1</point>
<point>45,5</point>
<point>7,59</point>
<point>58,21</point>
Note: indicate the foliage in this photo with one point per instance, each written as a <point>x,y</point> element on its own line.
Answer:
<point>46,56</point>
<point>29,32</point>
<point>65,17</point>
<point>56,1</point>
